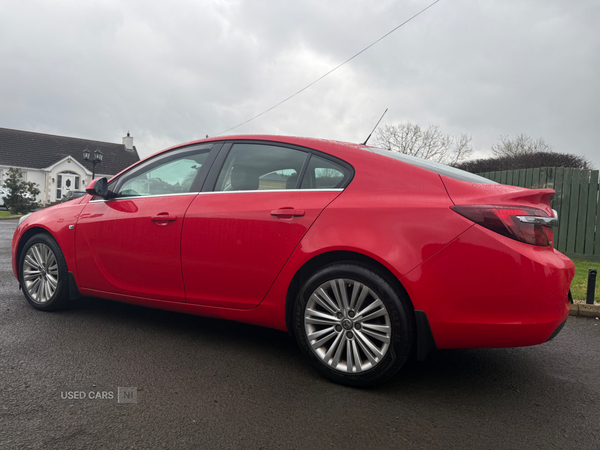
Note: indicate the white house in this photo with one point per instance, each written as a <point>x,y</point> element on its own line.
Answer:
<point>56,164</point>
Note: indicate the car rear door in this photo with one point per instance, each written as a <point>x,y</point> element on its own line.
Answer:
<point>131,244</point>
<point>239,233</point>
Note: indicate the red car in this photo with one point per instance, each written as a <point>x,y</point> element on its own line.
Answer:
<point>364,255</point>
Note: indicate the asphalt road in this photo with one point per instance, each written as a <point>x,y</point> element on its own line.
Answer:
<point>204,383</point>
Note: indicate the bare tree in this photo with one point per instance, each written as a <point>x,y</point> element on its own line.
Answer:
<point>521,145</point>
<point>427,143</point>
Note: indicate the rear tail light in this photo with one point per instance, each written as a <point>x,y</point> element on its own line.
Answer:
<point>530,225</point>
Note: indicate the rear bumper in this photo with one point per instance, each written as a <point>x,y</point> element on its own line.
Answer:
<point>558,330</point>
<point>484,290</point>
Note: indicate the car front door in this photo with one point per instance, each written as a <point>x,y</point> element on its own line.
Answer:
<point>130,244</point>
<point>237,237</point>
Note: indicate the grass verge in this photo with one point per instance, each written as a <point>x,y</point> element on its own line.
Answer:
<point>579,283</point>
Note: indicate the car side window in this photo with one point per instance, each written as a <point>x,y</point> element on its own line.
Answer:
<point>172,174</point>
<point>251,167</point>
<point>322,173</point>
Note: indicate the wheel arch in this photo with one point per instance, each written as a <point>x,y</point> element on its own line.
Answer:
<point>323,259</point>
<point>32,231</point>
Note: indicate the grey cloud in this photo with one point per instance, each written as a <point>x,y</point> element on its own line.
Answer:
<point>172,71</point>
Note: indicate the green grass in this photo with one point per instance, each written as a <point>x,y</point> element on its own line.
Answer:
<point>579,283</point>
<point>4,214</point>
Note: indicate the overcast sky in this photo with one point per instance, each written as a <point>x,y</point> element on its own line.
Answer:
<point>170,72</point>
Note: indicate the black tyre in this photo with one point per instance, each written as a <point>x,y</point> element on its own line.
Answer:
<point>352,325</point>
<point>43,274</point>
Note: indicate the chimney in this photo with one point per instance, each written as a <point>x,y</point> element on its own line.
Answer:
<point>128,142</point>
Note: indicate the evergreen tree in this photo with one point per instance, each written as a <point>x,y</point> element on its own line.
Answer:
<point>22,194</point>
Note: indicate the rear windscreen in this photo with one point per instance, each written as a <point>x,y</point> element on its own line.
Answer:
<point>442,169</point>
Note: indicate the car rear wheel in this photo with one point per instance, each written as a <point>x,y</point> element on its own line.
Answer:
<point>353,326</point>
<point>43,273</point>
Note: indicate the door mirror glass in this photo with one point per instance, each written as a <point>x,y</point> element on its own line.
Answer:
<point>98,187</point>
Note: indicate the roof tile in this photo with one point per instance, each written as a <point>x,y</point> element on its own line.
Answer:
<point>38,151</point>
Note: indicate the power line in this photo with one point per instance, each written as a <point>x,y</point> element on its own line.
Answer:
<point>331,71</point>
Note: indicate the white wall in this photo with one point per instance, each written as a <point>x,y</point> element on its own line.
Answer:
<point>34,175</point>
<point>43,178</point>
<point>38,177</point>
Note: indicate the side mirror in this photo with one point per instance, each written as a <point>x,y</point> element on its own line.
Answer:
<point>98,187</point>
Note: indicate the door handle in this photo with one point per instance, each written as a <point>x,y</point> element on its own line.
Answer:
<point>162,218</point>
<point>287,212</point>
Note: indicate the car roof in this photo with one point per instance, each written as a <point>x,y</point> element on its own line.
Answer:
<point>325,145</point>
<point>335,148</point>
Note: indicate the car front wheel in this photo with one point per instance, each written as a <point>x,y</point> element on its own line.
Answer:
<point>353,326</point>
<point>43,273</point>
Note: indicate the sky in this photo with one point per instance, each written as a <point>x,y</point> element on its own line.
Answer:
<point>171,72</point>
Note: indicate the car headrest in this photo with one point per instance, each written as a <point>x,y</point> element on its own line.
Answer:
<point>291,182</point>
<point>243,178</point>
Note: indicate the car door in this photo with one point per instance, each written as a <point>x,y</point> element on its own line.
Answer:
<point>237,236</point>
<point>131,244</point>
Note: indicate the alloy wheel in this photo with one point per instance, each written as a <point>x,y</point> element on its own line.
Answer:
<point>347,325</point>
<point>40,273</point>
